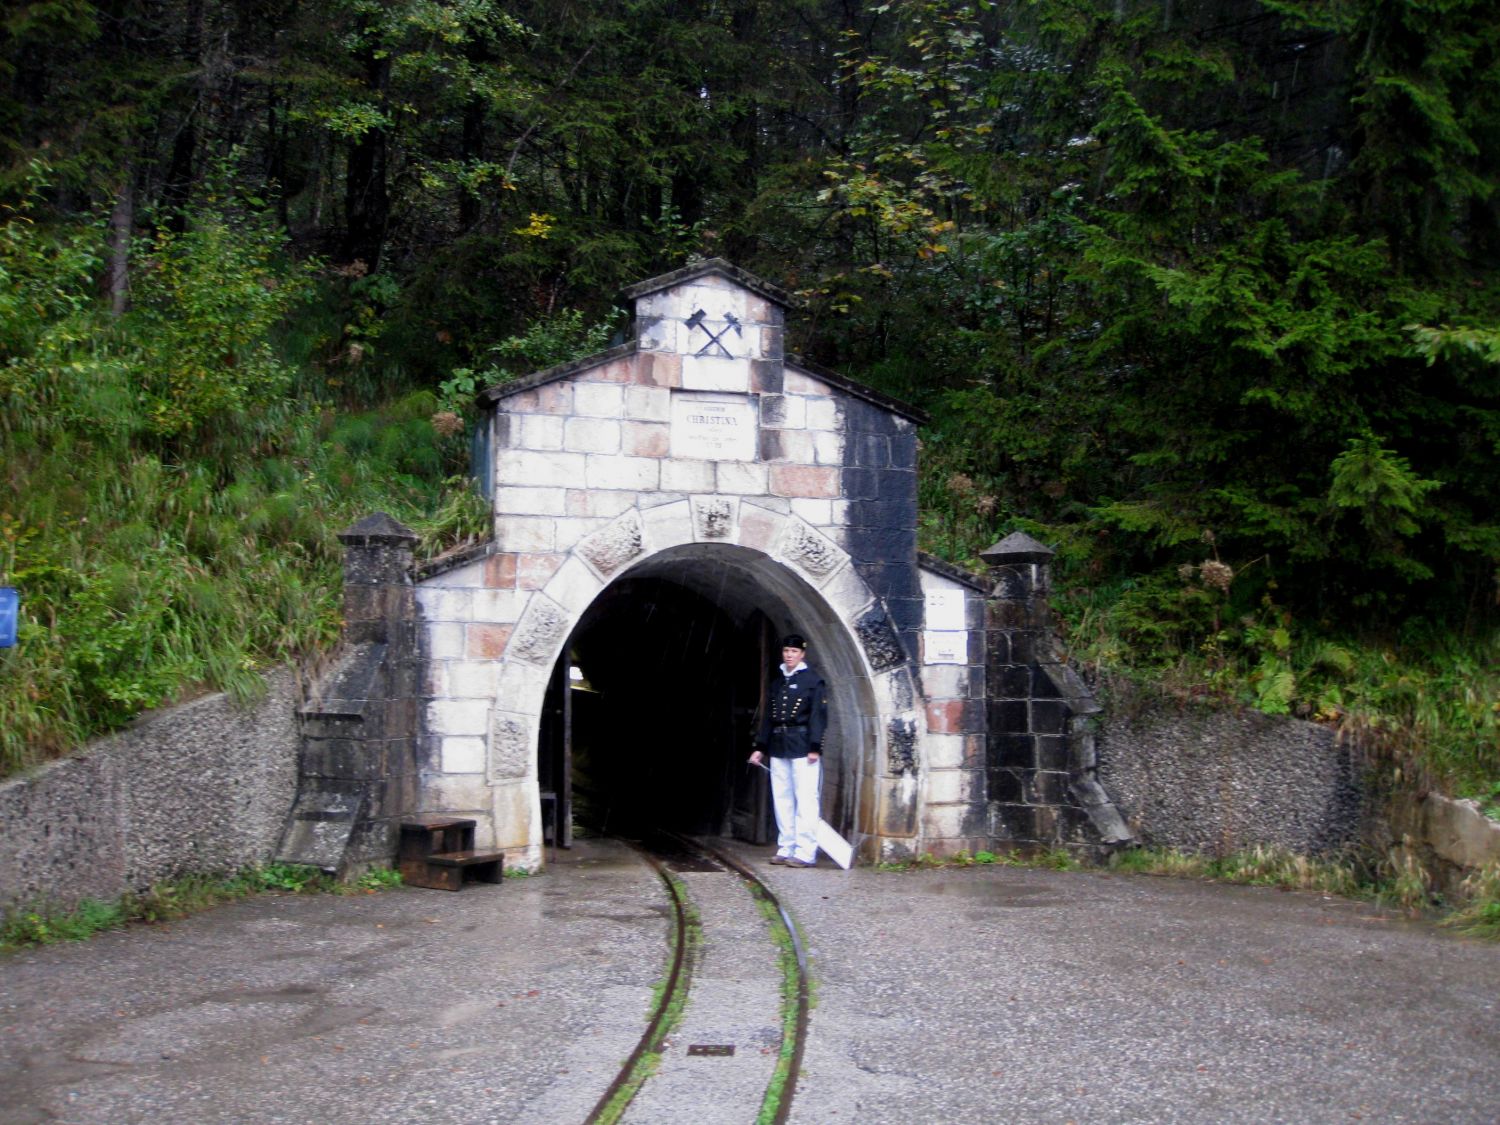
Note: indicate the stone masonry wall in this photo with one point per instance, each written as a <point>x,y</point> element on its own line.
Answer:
<point>201,787</point>
<point>953,685</point>
<point>1192,776</point>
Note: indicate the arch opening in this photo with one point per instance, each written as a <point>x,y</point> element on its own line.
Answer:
<point>655,698</point>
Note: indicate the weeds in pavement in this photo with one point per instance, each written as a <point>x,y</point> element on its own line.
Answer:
<point>175,899</point>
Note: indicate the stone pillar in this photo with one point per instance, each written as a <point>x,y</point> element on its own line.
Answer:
<point>358,761</point>
<point>1041,761</point>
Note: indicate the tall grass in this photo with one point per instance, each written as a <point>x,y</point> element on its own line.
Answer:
<point>171,497</point>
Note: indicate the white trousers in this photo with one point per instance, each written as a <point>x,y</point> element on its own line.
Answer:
<point>795,786</point>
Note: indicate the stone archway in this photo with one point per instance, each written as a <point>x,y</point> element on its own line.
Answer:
<point>746,555</point>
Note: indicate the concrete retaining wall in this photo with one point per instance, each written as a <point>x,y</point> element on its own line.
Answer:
<point>201,787</point>
<point>1192,776</point>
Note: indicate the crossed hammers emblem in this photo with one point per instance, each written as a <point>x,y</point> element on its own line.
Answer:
<point>715,339</point>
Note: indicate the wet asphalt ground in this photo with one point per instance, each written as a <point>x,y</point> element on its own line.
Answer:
<point>956,995</point>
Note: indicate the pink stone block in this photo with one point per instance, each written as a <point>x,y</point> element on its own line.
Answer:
<point>647,439</point>
<point>534,571</point>
<point>945,716</point>
<point>500,572</point>
<point>659,370</point>
<point>759,528</point>
<point>804,480</point>
<point>487,642</point>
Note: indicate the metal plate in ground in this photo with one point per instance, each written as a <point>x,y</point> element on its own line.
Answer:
<point>720,1049</point>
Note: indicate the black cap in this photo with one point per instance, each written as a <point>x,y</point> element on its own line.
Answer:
<point>794,640</point>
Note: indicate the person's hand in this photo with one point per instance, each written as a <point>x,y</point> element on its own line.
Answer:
<point>812,757</point>
<point>755,758</point>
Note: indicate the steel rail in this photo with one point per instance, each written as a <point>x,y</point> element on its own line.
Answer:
<point>804,993</point>
<point>676,979</point>
<point>677,976</point>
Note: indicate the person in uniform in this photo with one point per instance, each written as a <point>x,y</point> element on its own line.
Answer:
<point>792,724</point>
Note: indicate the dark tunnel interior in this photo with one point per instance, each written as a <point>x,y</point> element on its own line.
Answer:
<point>650,716</point>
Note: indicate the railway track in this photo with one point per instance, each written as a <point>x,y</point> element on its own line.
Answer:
<point>725,1036</point>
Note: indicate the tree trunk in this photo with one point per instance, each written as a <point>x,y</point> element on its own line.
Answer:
<point>121,227</point>
<point>367,203</point>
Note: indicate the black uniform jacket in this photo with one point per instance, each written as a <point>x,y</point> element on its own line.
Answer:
<point>795,717</point>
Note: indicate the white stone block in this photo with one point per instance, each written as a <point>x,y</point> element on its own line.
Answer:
<point>569,531</point>
<point>847,593</point>
<point>944,821</point>
<point>819,513</point>
<point>944,602</point>
<point>463,755</point>
<point>687,476</point>
<point>648,404</point>
<point>457,793</point>
<point>440,603</point>
<point>944,786</point>
<point>944,752</point>
<point>592,435</point>
<point>473,679</point>
<point>828,448</point>
<point>801,383</point>
<point>598,400</point>
<point>838,512</point>
<point>795,412</point>
<point>666,334</point>
<point>668,525</point>
<point>946,681</point>
<point>523,687</point>
<point>824,414</point>
<point>709,373</point>
<point>585,503</point>
<point>498,607</point>
<point>798,446</point>
<point>944,647</point>
<point>470,575</point>
<point>574,586</point>
<point>639,473</point>
<point>740,478</point>
<point>523,500</point>
<point>538,431</point>
<point>458,716</point>
<point>445,641</point>
<point>524,534</point>
<point>523,466</point>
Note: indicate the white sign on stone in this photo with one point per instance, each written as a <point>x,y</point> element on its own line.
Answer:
<point>713,427</point>
<point>940,647</point>
<point>944,607</point>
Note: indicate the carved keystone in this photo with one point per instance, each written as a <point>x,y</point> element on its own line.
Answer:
<point>713,517</point>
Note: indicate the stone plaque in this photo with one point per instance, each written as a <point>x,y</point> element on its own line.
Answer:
<point>945,647</point>
<point>945,608</point>
<point>713,426</point>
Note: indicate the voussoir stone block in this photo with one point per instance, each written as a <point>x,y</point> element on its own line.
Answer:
<point>714,518</point>
<point>541,629</point>
<point>611,549</point>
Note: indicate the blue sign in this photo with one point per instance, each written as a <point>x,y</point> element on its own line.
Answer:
<point>10,606</point>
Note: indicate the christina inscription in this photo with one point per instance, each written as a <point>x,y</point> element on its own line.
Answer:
<point>713,427</point>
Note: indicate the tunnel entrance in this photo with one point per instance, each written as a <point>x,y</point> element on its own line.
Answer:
<point>651,712</point>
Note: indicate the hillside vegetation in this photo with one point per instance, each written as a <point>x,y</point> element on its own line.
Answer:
<point>1202,294</point>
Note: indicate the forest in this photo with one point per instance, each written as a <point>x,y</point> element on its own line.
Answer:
<point>1203,295</point>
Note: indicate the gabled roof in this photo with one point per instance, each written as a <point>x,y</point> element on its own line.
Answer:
<point>491,395</point>
<point>859,390</point>
<point>772,293</point>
